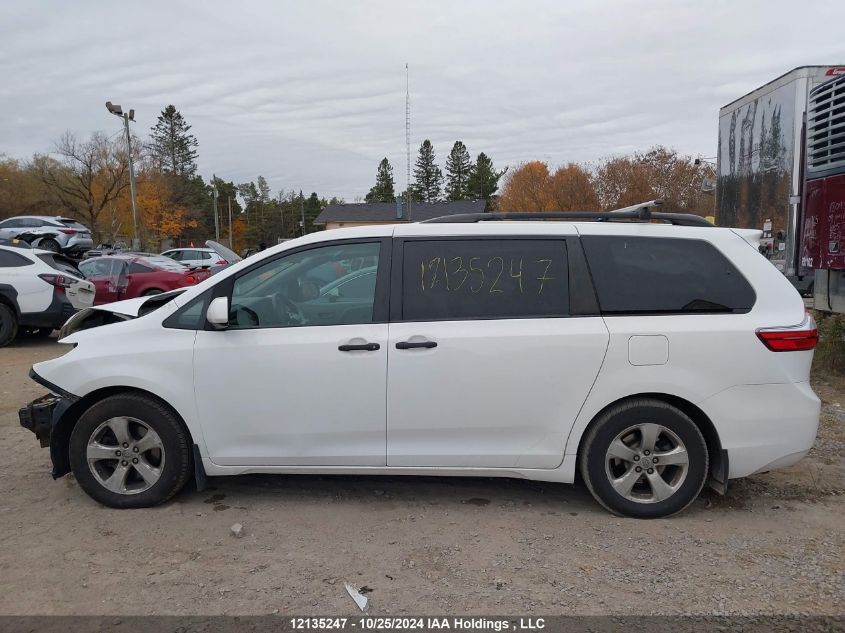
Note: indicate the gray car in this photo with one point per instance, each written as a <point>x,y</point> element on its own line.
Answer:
<point>51,233</point>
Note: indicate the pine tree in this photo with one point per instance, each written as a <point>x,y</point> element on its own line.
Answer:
<point>483,182</point>
<point>313,206</point>
<point>172,147</point>
<point>383,190</point>
<point>428,179</point>
<point>458,171</point>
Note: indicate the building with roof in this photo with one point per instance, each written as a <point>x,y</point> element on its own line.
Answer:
<point>366,213</point>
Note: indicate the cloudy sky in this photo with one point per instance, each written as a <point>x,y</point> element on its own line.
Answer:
<point>312,94</point>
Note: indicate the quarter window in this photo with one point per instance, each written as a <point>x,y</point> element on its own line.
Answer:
<point>327,285</point>
<point>12,260</point>
<point>484,279</point>
<point>654,275</point>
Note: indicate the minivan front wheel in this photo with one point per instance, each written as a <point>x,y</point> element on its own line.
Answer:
<point>130,451</point>
<point>645,459</point>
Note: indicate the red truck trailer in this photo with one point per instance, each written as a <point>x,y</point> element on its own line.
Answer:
<point>822,227</point>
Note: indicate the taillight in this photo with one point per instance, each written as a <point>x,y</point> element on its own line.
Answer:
<point>798,339</point>
<point>59,281</point>
<point>191,279</point>
<point>221,262</point>
<point>68,231</point>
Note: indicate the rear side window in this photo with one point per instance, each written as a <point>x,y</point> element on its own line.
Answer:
<point>654,275</point>
<point>135,267</point>
<point>12,260</point>
<point>61,263</point>
<point>484,279</point>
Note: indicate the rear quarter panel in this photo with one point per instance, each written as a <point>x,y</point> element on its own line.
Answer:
<point>708,353</point>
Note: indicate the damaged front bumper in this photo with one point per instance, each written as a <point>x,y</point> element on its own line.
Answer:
<point>37,416</point>
<point>43,416</point>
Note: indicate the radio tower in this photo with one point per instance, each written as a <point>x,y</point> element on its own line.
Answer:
<point>408,140</point>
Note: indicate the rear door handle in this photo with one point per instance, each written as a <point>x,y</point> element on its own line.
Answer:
<point>410,345</point>
<point>363,347</point>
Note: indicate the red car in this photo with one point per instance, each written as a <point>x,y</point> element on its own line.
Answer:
<point>128,276</point>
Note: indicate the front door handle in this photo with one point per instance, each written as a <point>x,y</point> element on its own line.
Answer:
<point>363,347</point>
<point>410,345</point>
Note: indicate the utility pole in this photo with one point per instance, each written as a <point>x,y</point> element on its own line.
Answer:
<point>214,203</point>
<point>302,211</point>
<point>282,214</point>
<point>127,117</point>
<point>231,239</point>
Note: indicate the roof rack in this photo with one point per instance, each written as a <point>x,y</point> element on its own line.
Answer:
<point>638,212</point>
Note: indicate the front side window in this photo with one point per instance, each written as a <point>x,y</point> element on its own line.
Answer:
<point>327,285</point>
<point>484,279</point>
<point>654,275</point>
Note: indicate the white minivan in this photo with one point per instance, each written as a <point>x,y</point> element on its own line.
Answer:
<point>651,353</point>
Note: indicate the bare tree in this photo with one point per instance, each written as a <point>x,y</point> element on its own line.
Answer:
<point>86,176</point>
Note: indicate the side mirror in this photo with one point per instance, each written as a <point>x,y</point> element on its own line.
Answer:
<point>217,312</point>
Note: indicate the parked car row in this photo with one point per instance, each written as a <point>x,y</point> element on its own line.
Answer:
<point>41,286</point>
<point>55,234</point>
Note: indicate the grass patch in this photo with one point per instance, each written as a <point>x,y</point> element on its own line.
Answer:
<point>830,352</point>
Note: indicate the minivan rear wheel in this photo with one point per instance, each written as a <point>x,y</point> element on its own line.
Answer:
<point>645,459</point>
<point>130,451</point>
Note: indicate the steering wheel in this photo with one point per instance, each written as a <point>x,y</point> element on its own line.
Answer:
<point>288,310</point>
<point>252,316</point>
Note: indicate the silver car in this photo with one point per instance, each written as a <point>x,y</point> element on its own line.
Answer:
<point>50,233</point>
<point>197,257</point>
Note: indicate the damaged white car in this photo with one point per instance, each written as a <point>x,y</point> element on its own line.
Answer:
<point>651,353</point>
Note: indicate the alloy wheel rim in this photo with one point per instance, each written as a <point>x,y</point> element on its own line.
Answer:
<point>125,455</point>
<point>647,463</point>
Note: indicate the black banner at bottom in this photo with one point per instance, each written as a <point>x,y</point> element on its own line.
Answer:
<point>462,624</point>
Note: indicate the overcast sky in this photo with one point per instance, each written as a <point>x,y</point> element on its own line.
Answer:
<point>312,94</point>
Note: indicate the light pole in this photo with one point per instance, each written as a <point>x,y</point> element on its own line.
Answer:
<point>127,117</point>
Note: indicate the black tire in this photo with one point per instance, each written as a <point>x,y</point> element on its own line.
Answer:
<point>176,452</point>
<point>152,292</point>
<point>595,469</point>
<point>50,245</point>
<point>8,325</point>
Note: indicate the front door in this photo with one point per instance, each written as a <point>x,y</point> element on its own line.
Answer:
<point>298,378</point>
<point>487,367</point>
<point>108,275</point>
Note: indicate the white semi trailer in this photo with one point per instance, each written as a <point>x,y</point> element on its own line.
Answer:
<point>760,165</point>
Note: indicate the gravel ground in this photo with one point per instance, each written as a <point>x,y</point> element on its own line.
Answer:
<point>774,545</point>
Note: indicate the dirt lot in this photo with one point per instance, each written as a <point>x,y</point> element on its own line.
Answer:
<point>775,544</point>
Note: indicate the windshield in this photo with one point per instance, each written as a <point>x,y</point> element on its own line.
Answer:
<point>164,263</point>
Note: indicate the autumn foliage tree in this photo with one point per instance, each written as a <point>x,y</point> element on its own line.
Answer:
<point>87,176</point>
<point>657,173</point>
<point>527,188</point>
<point>614,183</point>
<point>571,189</point>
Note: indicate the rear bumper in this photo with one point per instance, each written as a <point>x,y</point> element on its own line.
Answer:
<point>59,311</point>
<point>764,427</point>
<point>79,245</point>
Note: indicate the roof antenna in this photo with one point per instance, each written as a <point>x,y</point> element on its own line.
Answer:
<point>408,138</point>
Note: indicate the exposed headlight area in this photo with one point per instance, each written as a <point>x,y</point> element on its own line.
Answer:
<point>90,318</point>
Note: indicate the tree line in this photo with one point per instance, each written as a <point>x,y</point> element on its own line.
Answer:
<point>88,179</point>
<point>612,183</point>
<point>463,180</point>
